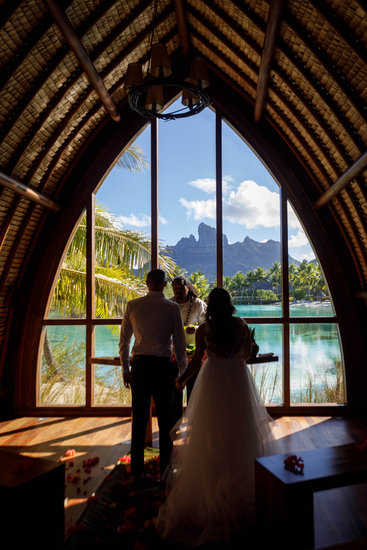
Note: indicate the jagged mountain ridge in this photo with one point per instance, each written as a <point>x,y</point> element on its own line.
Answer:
<point>194,255</point>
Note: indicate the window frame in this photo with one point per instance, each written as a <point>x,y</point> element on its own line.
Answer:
<point>285,320</point>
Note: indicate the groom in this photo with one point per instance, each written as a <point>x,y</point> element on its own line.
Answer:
<point>153,320</point>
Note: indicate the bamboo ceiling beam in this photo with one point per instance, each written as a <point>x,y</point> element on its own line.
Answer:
<point>271,33</point>
<point>182,27</point>
<point>28,192</point>
<point>76,45</point>
<point>7,222</point>
<point>343,181</point>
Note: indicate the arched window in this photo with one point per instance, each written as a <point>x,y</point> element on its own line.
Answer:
<point>205,200</point>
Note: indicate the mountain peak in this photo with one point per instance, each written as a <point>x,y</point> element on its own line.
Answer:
<point>194,255</point>
<point>206,232</point>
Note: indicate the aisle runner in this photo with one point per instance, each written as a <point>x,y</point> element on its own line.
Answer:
<point>122,514</point>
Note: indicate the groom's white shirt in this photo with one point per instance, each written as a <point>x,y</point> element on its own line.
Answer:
<point>153,320</point>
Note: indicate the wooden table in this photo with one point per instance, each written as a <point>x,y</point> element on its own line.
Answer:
<point>266,359</point>
<point>284,499</point>
<point>32,493</point>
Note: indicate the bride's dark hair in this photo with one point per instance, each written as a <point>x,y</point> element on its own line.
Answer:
<point>219,316</point>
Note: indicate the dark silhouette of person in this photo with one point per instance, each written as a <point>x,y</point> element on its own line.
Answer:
<point>155,323</point>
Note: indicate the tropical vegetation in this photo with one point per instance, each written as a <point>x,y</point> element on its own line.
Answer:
<point>306,282</point>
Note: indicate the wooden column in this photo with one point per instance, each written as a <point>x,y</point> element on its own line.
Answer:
<point>154,230</point>
<point>219,210</point>
<point>90,305</point>
<point>285,295</point>
<point>154,193</point>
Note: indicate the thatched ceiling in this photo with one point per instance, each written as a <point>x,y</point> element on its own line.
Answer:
<point>300,66</point>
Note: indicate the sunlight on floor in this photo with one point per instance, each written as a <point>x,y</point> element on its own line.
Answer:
<point>294,425</point>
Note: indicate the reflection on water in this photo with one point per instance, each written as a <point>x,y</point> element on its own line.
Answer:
<point>315,354</point>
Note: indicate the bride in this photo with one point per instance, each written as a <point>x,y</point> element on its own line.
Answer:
<point>210,478</point>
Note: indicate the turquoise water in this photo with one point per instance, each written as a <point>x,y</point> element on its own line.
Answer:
<point>318,309</point>
<point>314,348</point>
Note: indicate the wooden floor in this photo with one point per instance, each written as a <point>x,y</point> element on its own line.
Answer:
<point>340,514</point>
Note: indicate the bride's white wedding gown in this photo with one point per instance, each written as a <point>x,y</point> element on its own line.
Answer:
<point>210,481</point>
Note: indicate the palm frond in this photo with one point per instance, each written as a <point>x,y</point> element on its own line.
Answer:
<point>133,159</point>
<point>122,257</point>
<point>112,293</point>
<point>69,299</point>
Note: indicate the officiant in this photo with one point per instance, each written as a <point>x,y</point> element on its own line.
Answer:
<point>193,311</point>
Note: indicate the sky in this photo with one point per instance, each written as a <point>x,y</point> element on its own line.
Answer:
<point>186,188</point>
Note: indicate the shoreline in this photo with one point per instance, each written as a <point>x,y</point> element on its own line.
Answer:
<point>303,303</point>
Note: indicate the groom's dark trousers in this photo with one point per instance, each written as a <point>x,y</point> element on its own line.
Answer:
<point>151,377</point>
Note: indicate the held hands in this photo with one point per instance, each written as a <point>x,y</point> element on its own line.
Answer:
<point>179,383</point>
<point>190,329</point>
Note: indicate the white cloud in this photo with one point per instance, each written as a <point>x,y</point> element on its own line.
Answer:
<point>199,209</point>
<point>251,205</point>
<point>310,256</point>
<point>208,185</point>
<point>297,240</point>
<point>293,221</point>
<point>300,240</point>
<point>140,220</point>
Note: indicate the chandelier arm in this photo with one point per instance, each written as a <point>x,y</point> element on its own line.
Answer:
<point>136,98</point>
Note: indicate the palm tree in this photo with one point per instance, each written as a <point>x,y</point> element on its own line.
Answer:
<point>122,257</point>
<point>238,283</point>
<point>201,283</point>
<point>275,276</point>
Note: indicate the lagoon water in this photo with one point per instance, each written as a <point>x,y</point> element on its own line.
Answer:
<point>314,347</point>
<point>315,350</point>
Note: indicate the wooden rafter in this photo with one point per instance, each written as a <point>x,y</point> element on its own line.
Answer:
<point>27,98</point>
<point>307,74</point>
<point>271,33</point>
<point>27,191</point>
<point>343,181</point>
<point>182,27</point>
<point>64,90</point>
<point>76,45</point>
<point>8,219</point>
<point>329,68</point>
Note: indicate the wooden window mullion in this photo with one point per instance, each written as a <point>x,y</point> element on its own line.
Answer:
<point>90,300</point>
<point>219,198</point>
<point>285,296</point>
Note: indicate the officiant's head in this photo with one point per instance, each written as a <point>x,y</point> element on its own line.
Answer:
<point>183,289</point>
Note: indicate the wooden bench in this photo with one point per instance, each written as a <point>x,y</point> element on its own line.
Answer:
<point>284,499</point>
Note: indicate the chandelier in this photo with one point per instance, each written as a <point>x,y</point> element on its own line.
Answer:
<point>147,96</point>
